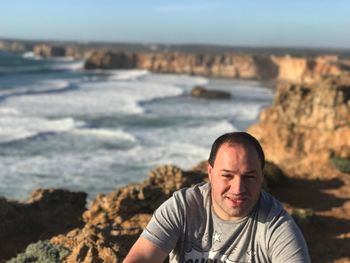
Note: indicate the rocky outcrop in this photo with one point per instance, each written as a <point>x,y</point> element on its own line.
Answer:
<point>200,92</point>
<point>47,51</point>
<point>15,46</point>
<point>305,70</point>
<point>46,213</point>
<point>307,125</point>
<point>109,60</point>
<point>114,221</point>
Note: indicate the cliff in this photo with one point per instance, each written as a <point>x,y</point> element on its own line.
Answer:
<point>226,65</point>
<point>290,69</point>
<point>307,125</point>
<point>263,65</point>
<point>309,70</point>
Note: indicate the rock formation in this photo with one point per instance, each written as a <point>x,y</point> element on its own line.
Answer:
<point>46,213</point>
<point>306,125</point>
<point>200,92</point>
<point>109,60</point>
<point>15,46</point>
<point>114,221</point>
<point>229,66</point>
<point>47,51</point>
<point>307,70</point>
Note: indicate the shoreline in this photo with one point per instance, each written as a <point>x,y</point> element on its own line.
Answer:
<point>294,141</point>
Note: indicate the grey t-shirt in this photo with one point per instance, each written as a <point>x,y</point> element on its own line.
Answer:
<point>186,227</point>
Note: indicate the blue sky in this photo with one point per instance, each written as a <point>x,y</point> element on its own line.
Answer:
<point>301,23</point>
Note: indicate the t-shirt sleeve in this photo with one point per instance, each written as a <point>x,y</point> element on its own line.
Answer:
<point>164,228</point>
<point>286,243</point>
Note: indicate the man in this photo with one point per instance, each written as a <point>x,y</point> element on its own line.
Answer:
<point>230,219</point>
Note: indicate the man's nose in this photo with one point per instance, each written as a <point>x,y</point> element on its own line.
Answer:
<point>237,185</point>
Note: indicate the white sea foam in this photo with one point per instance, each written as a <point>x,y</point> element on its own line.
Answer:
<point>247,91</point>
<point>128,74</point>
<point>105,134</point>
<point>17,127</point>
<point>185,81</point>
<point>101,98</point>
<point>99,159</point>
<point>69,65</point>
<point>8,111</point>
<point>31,55</point>
<point>39,86</point>
<point>195,133</point>
<point>52,84</point>
<point>61,59</point>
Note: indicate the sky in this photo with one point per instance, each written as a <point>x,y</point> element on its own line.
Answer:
<point>274,23</point>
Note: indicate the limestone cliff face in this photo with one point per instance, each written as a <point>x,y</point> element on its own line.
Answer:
<point>14,46</point>
<point>306,124</point>
<point>109,60</point>
<point>47,51</point>
<point>229,66</point>
<point>304,70</point>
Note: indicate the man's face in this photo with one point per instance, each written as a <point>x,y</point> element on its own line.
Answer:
<point>236,179</point>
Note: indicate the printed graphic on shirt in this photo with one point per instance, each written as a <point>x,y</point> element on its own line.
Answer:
<point>195,256</point>
<point>235,255</point>
<point>216,237</point>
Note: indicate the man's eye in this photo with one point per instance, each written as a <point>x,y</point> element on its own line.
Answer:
<point>251,177</point>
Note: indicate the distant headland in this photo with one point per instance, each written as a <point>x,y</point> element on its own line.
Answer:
<point>289,64</point>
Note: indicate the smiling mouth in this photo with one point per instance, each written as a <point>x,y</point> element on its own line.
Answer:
<point>236,201</point>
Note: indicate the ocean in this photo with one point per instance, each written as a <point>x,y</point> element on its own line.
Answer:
<point>94,131</point>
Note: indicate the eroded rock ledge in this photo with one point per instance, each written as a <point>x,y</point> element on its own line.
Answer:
<point>307,125</point>
<point>108,228</point>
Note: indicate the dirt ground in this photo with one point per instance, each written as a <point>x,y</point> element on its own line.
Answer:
<point>327,232</point>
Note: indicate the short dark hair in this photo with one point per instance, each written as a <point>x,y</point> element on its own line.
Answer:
<point>232,138</point>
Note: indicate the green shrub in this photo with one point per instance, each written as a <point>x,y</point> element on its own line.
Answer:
<point>341,164</point>
<point>41,252</point>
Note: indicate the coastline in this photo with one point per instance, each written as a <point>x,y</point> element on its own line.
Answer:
<point>300,145</point>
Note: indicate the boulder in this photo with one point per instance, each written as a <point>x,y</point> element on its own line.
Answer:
<point>200,92</point>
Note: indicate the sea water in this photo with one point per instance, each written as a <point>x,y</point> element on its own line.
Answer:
<point>65,127</point>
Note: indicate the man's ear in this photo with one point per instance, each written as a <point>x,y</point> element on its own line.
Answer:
<point>210,172</point>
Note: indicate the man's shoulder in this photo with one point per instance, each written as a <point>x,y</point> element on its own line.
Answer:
<point>270,209</point>
<point>196,190</point>
<point>197,193</point>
